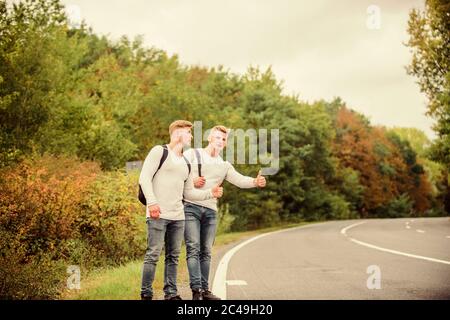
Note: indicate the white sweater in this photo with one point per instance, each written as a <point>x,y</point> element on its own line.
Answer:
<point>215,170</point>
<point>168,186</point>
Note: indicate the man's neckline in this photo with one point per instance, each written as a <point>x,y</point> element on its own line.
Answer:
<point>205,151</point>
<point>173,152</point>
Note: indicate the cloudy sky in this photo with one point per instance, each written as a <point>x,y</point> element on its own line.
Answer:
<point>320,49</point>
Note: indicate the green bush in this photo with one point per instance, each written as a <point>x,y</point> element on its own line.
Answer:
<point>225,219</point>
<point>321,204</point>
<point>401,206</point>
<point>111,219</point>
<point>28,277</point>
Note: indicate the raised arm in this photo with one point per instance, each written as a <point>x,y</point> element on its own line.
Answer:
<point>238,179</point>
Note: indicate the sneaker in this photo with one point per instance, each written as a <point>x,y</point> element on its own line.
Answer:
<point>197,294</point>
<point>144,297</point>
<point>207,295</point>
<point>177,297</point>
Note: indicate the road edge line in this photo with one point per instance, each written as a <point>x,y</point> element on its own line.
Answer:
<point>219,286</point>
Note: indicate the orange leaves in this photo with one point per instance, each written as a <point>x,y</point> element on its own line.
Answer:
<point>384,172</point>
<point>39,198</point>
<point>49,203</point>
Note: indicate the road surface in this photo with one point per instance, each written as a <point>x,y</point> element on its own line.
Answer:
<point>404,259</point>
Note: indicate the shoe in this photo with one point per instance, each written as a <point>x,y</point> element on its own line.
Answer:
<point>177,297</point>
<point>144,297</point>
<point>207,295</point>
<point>197,294</point>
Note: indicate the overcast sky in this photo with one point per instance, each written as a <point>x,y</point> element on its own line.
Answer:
<point>320,49</point>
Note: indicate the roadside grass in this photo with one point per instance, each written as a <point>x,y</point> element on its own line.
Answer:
<point>124,282</point>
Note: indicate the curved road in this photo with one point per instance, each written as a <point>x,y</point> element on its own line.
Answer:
<point>330,260</point>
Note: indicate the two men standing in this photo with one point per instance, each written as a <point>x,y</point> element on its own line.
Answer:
<point>166,181</point>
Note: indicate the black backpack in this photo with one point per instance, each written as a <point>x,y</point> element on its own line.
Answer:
<point>141,195</point>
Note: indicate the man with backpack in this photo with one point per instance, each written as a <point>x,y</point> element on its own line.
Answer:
<point>209,170</point>
<point>164,180</point>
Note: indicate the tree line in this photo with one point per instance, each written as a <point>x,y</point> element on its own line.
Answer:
<point>76,106</point>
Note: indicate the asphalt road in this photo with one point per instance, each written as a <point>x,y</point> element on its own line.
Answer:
<point>330,261</point>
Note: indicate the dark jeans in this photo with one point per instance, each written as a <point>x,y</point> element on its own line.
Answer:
<point>160,232</point>
<point>199,234</point>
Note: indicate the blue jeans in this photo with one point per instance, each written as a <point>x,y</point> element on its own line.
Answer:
<point>199,234</point>
<point>160,232</point>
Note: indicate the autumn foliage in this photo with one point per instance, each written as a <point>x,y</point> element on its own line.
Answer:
<point>58,211</point>
<point>387,165</point>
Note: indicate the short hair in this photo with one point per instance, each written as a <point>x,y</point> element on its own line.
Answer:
<point>179,124</point>
<point>220,128</point>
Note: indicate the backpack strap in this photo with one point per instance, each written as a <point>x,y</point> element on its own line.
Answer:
<point>199,163</point>
<point>163,158</point>
<point>188,165</point>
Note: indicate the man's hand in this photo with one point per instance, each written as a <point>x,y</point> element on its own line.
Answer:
<point>155,211</point>
<point>217,191</point>
<point>259,181</point>
<point>199,182</point>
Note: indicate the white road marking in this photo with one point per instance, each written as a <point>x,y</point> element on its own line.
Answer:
<point>236,282</point>
<point>420,231</point>
<point>219,286</point>
<point>408,227</point>
<point>448,237</point>
<point>344,230</point>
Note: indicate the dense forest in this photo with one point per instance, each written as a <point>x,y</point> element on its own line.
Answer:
<point>75,107</point>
